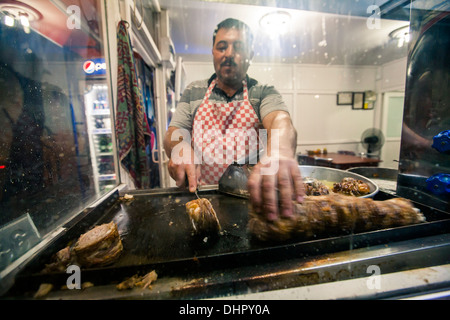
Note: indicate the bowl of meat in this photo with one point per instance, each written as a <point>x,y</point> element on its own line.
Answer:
<point>323,180</point>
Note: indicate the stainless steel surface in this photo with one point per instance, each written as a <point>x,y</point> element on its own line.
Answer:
<point>385,178</point>
<point>336,175</point>
<point>414,187</point>
<point>234,180</point>
<point>302,273</point>
<point>376,172</point>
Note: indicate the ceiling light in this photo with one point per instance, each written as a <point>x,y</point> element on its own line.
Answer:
<point>20,11</point>
<point>401,35</point>
<point>24,21</point>
<point>9,21</point>
<point>275,22</point>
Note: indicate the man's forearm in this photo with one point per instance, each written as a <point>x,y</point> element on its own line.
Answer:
<point>279,123</point>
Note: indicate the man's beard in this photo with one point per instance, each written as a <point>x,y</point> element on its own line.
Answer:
<point>232,78</point>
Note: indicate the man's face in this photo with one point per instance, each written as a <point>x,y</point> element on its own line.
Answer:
<point>231,55</point>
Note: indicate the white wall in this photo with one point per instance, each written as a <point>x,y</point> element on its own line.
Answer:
<point>310,94</point>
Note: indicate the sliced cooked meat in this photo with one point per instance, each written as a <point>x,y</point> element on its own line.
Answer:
<point>203,217</point>
<point>99,246</point>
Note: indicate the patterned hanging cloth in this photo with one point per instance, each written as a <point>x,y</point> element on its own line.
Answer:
<point>131,122</point>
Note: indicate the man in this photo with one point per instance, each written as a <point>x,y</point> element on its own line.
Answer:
<point>217,110</point>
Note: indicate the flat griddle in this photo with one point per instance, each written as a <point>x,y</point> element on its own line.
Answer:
<point>157,235</point>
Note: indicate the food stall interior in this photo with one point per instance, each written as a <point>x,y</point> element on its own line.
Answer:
<point>154,229</point>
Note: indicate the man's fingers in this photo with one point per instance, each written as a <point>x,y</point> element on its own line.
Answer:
<point>285,188</point>
<point>269,197</point>
<point>177,173</point>
<point>192,177</point>
<point>180,178</point>
<point>254,188</point>
<point>297,181</point>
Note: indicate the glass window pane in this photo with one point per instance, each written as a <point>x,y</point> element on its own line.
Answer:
<point>56,144</point>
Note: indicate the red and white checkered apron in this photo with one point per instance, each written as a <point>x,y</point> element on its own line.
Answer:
<point>222,133</point>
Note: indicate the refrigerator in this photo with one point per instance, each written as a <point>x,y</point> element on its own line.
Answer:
<point>100,126</point>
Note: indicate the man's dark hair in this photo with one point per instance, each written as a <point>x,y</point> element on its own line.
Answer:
<point>234,23</point>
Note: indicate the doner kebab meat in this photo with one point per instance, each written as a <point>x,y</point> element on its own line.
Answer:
<point>203,217</point>
<point>99,246</point>
<point>333,215</point>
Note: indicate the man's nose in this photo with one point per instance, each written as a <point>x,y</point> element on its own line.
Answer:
<point>230,51</point>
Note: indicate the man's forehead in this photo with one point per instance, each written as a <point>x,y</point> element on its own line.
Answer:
<point>233,32</point>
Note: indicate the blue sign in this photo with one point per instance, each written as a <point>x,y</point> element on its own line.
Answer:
<point>94,66</point>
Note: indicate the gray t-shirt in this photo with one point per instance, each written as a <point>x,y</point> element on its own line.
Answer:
<point>263,98</point>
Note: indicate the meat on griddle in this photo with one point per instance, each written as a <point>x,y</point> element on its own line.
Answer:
<point>98,247</point>
<point>203,217</point>
<point>335,214</point>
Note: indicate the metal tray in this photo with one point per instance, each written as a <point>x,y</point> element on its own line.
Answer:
<point>336,175</point>
<point>376,172</point>
<point>385,178</point>
<point>234,180</point>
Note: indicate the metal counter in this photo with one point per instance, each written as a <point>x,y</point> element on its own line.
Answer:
<point>156,234</point>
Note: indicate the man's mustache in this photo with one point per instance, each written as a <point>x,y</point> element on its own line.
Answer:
<point>229,62</point>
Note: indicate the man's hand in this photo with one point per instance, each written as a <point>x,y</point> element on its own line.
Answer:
<point>272,194</point>
<point>276,180</point>
<point>181,165</point>
<point>181,172</point>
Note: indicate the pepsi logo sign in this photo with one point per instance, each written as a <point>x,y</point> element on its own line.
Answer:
<point>94,66</point>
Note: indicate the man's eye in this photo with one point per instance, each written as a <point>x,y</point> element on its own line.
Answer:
<point>238,46</point>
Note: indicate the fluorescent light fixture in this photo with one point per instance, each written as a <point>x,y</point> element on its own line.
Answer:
<point>275,23</point>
